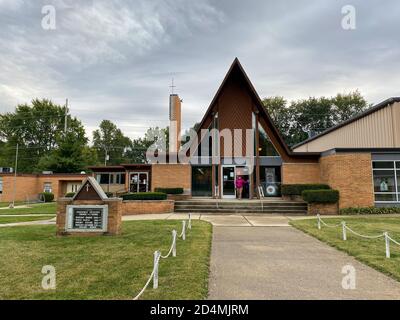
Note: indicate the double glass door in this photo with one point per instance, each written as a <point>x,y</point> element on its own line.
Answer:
<point>139,182</point>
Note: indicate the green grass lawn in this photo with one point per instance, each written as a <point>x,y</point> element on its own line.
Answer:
<point>105,267</point>
<point>40,208</point>
<point>6,204</point>
<point>369,251</point>
<point>4,220</point>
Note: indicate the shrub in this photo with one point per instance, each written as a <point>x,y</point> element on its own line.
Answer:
<point>69,194</point>
<point>370,210</point>
<point>46,196</point>
<point>109,194</point>
<point>145,196</point>
<point>297,189</point>
<point>320,196</point>
<point>169,190</point>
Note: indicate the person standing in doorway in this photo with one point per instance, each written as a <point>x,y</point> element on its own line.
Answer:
<point>239,183</point>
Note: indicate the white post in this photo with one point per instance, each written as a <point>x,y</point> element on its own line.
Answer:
<point>319,222</point>
<point>183,230</point>
<point>344,230</point>
<point>174,243</point>
<point>190,221</point>
<point>155,276</point>
<point>387,245</point>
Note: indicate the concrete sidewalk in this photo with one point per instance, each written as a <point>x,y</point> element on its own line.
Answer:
<point>235,220</point>
<point>284,263</point>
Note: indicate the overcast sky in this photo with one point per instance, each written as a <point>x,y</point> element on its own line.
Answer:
<point>115,59</point>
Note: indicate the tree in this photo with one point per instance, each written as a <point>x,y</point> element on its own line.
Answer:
<point>110,140</point>
<point>37,129</point>
<point>156,137</point>
<point>302,118</point>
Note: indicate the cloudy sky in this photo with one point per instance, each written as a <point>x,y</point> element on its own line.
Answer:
<point>115,59</point>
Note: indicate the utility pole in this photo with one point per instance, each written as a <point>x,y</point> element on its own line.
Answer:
<point>106,157</point>
<point>15,177</point>
<point>66,117</point>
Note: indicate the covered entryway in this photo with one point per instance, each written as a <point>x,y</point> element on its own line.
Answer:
<point>229,175</point>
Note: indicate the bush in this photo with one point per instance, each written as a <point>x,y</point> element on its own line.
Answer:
<point>46,196</point>
<point>297,189</point>
<point>109,194</point>
<point>169,190</point>
<point>320,196</point>
<point>370,210</point>
<point>145,196</point>
<point>69,194</point>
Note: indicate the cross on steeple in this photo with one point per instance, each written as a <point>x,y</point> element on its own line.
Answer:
<point>172,86</point>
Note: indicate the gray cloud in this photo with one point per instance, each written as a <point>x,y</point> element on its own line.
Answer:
<point>115,59</point>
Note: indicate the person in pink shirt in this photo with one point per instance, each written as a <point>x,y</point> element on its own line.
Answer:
<point>239,183</point>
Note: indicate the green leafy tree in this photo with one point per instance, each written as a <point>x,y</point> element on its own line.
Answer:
<point>37,129</point>
<point>301,118</point>
<point>110,140</point>
<point>156,137</point>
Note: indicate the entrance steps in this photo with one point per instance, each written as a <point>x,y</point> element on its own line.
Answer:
<point>241,206</point>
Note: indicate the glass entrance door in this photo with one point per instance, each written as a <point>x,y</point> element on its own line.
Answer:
<point>228,182</point>
<point>139,181</point>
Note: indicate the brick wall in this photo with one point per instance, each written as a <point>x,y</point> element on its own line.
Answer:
<point>171,176</point>
<point>351,174</point>
<point>28,186</point>
<point>294,173</point>
<point>147,207</point>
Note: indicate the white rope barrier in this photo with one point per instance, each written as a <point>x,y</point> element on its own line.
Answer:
<point>158,256</point>
<point>151,277</point>
<point>183,233</point>
<point>394,241</point>
<point>365,236</point>
<point>344,231</point>
<point>173,246</point>
<point>325,224</point>
<point>385,234</point>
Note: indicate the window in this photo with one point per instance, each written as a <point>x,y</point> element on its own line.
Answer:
<point>266,148</point>
<point>1,185</point>
<point>120,178</point>
<point>47,187</point>
<point>202,181</point>
<point>386,181</point>
<point>103,178</point>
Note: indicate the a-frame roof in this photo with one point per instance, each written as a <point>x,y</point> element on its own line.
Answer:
<point>236,66</point>
<point>90,182</point>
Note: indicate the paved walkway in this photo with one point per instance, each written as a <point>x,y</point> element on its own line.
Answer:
<point>284,263</point>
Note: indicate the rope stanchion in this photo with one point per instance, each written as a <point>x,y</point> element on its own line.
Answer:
<point>157,256</point>
<point>318,222</point>
<point>190,221</point>
<point>387,245</point>
<point>173,246</point>
<point>344,231</point>
<point>183,233</point>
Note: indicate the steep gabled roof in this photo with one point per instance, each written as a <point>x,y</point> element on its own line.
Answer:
<point>236,66</point>
<point>367,112</point>
<point>92,182</point>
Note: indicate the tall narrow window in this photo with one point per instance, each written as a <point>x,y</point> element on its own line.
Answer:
<point>266,148</point>
<point>1,185</point>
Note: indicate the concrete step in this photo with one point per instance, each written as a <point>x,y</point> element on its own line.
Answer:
<point>242,211</point>
<point>212,207</point>
<point>243,206</point>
